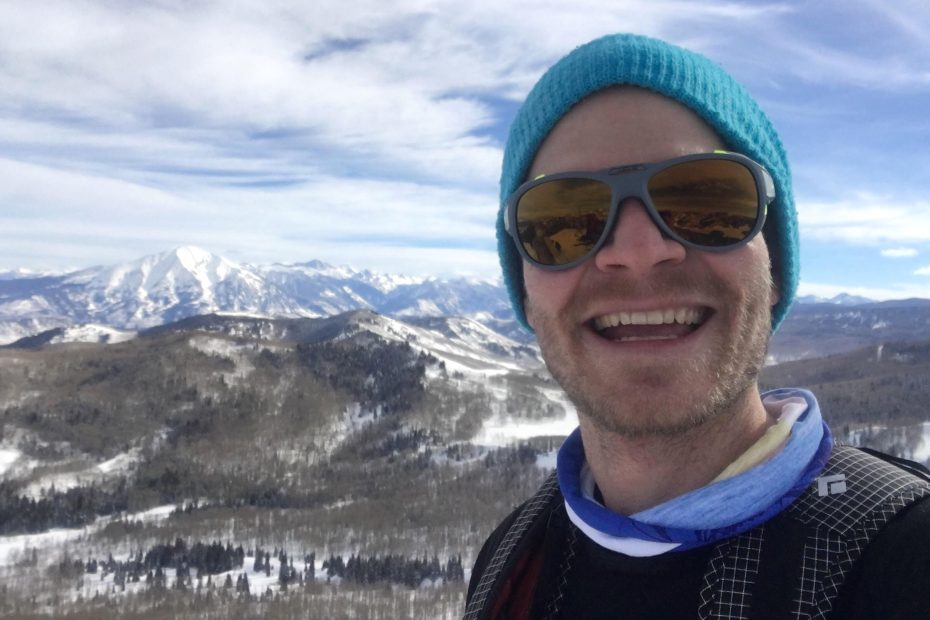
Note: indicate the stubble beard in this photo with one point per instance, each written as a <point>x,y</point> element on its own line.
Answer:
<point>673,398</point>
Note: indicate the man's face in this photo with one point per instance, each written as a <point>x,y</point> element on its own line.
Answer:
<point>646,380</point>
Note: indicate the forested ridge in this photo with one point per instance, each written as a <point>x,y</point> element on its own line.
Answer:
<point>878,396</point>
<point>351,452</point>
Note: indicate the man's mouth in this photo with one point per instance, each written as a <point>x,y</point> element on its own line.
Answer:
<point>659,324</point>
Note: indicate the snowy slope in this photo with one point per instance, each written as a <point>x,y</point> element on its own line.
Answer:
<point>92,333</point>
<point>13,328</point>
<point>462,343</point>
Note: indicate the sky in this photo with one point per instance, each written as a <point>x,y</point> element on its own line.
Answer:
<point>370,133</point>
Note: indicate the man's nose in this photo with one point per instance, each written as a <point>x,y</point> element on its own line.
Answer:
<point>636,243</point>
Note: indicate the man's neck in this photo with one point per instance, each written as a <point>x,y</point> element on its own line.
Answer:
<point>634,474</point>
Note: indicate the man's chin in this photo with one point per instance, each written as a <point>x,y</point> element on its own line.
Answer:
<point>650,403</point>
<point>652,420</point>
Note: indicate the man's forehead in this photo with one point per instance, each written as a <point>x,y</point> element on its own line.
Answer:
<point>622,125</point>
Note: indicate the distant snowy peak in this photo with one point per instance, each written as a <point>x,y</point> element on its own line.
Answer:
<point>182,282</point>
<point>382,282</point>
<point>387,283</point>
<point>20,274</point>
<point>184,267</point>
<point>843,299</point>
<point>189,281</point>
<point>315,268</point>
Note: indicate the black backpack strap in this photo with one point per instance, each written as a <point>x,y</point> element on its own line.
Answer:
<point>812,547</point>
<point>911,467</point>
<point>533,512</point>
<point>855,496</point>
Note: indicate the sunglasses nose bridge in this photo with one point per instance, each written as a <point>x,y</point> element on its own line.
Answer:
<point>626,185</point>
<point>625,188</point>
<point>634,239</point>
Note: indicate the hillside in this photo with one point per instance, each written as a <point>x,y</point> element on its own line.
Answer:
<point>813,330</point>
<point>878,396</point>
<point>287,436</point>
<point>319,463</point>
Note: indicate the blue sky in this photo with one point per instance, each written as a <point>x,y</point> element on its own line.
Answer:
<point>370,133</point>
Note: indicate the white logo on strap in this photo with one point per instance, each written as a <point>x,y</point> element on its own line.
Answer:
<point>831,485</point>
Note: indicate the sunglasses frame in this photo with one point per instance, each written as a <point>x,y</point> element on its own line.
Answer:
<point>632,182</point>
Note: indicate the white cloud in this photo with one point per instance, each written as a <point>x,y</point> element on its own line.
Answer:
<point>819,63</point>
<point>896,56</point>
<point>239,69</point>
<point>911,17</point>
<point>899,253</point>
<point>285,130</point>
<point>57,218</point>
<point>407,90</point>
<point>259,127</point>
<point>866,219</point>
<point>30,191</point>
<point>923,271</point>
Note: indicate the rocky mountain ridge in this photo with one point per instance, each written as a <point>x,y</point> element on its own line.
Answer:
<point>188,281</point>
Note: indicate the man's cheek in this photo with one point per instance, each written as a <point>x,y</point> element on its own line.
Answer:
<point>529,310</point>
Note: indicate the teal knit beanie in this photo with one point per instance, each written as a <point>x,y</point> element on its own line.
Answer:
<point>687,77</point>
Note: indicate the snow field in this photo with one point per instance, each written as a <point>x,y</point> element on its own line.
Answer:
<point>227,349</point>
<point>920,452</point>
<point>93,333</point>
<point>502,429</point>
<point>8,456</point>
<point>94,473</point>
<point>14,548</point>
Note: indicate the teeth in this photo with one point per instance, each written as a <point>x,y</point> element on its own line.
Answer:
<point>637,338</point>
<point>654,317</point>
<point>667,316</point>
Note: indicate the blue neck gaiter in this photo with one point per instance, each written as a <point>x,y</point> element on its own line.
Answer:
<point>713,512</point>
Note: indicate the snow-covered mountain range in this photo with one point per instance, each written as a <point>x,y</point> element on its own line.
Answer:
<point>189,281</point>
<point>843,299</point>
<point>111,303</point>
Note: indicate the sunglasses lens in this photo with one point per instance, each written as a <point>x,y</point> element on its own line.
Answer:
<point>561,220</point>
<point>709,202</point>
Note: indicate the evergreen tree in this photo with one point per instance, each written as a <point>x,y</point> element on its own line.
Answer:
<point>310,567</point>
<point>159,580</point>
<point>282,575</point>
<point>242,586</point>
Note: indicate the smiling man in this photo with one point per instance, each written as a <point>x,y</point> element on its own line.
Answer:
<point>648,236</point>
